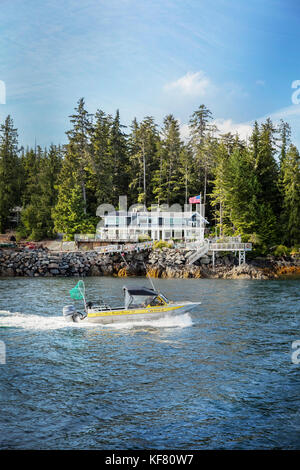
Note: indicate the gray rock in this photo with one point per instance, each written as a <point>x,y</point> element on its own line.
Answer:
<point>54,271</point>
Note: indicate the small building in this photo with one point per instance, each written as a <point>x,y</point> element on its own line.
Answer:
<point>157,225</point>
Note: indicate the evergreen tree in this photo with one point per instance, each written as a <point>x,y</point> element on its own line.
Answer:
<point>143,143</point>
<point>285,137</point>
<point>79,148</point>
<point>266,166</point>
<point>291,192</point>
<point>31,165</point>
<point>120,180</point>
<point>101,181</point>
<point>167,182</point>
<point>240,188</point>
<point>218,196</point>
<point>69,213</point>
<point>253,188</point>
<point>10,172</point>
<point>36,217</point>
<point>199,128</point>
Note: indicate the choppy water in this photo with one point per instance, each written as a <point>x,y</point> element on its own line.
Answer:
<point>219,377</point>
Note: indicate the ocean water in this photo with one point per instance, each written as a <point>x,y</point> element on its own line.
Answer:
<point>220,377</point>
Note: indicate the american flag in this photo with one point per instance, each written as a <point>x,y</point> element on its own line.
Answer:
<point>195,199</point>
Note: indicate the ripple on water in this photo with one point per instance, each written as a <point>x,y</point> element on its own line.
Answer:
<point>219,377</point>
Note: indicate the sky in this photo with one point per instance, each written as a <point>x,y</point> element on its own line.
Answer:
<point>148,58</point>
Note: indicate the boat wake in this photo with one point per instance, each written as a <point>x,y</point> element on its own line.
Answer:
<point>41,322</point>
<point>178,321</point>
<point>31,322</point>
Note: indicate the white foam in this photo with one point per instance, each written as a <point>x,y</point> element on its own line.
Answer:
<point>40,322</point>
<point>32,322</point>
<point>178,321</point>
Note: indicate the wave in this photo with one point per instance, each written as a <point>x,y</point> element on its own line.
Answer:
<point>40,322</point>
<point>178,321</point>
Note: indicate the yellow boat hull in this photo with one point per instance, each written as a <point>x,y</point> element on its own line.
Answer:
<point>122,315</point>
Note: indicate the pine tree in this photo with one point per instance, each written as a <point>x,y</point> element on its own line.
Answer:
<point>267,173</point>
<point>240,187</point>
<point>218,195</point>
<point>69,213</point>
<point>36,219</point>
<point>101,181</point>
<point>199,128</point>
<point>285,137</point>
<point>10,171</point>
<point>291,192</point>
<point>31,161</point>
<point>79,148</point>
<point>143,143</point>
<point>266,166</point>
<point>166,182</point>
<point>120,180</point>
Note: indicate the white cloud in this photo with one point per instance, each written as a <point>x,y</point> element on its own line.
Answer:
<point>291,114</point>
<point>191,84</point>
<point>284,113</point>
<point>224,126</point>
<point>184,131</point>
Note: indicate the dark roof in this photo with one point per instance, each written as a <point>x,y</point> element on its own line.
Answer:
<point>136,290</point>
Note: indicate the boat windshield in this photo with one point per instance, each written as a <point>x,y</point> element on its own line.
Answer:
<point>142,297</point>
<point>140,300</point>
<point>157,301</point>
<point>164,298</point>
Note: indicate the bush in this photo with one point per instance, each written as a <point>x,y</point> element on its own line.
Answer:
<point>295,250</point>
<point>144,238</point>
<point>21,233</point>
<point>254,238</point>
<point>281,250</point>
<point>159,244</point>
<point>36,235</point>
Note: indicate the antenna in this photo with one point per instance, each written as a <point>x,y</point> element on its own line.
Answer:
<point>149,277</point>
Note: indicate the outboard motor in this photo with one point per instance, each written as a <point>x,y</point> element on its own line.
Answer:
<point>71,314</point>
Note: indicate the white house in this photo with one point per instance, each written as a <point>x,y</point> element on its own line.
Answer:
<point>158,225</point>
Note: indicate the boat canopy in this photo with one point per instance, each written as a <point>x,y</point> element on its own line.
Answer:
<point>138,296</point>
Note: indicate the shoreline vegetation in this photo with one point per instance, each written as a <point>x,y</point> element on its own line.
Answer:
<point>165,263</point>
<point>249,188</point>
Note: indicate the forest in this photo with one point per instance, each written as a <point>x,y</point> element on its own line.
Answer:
<point>249,188</point>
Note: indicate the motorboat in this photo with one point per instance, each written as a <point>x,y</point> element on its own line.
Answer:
<point>140,303</point>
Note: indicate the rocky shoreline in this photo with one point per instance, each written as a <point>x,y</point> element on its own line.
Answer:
<point>165,263</point>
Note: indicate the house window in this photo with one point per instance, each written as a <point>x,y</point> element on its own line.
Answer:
<point>178,221</point>
<point>143,221</point>
<point>110,221</point>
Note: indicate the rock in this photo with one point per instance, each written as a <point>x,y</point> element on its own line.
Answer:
<point>54,271</point>
<point>95,271</point>
<point>53,266</point>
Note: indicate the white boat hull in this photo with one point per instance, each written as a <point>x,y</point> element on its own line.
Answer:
<point>153,313</point>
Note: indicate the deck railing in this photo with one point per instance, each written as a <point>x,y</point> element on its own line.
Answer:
<point>230,246</point>
<point>124,248</point>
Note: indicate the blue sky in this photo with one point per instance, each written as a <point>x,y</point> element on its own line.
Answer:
<point>148,57</point>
